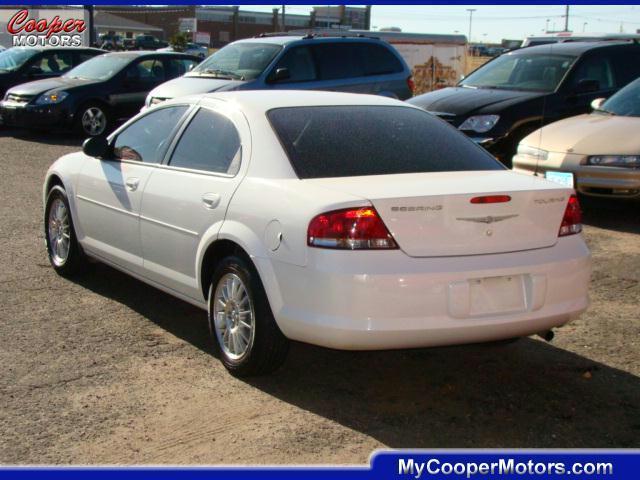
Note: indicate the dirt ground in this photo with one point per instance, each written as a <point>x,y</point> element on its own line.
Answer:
<point>105,369</point>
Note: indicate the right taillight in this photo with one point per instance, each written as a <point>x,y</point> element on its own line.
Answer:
<point>350,229</point>
<point>572,220</point>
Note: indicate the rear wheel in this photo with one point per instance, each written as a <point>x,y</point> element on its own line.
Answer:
<point>65,255</point>
<point>243,330</point>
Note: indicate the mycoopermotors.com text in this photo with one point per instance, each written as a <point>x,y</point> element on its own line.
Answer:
<point>504,466</point>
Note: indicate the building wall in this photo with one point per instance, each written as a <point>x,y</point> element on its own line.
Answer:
<point>226,24</point>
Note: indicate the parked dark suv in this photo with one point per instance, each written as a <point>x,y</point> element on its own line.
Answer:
<point>511,96</point>
<point>345,64</point>
<point>24,64</point>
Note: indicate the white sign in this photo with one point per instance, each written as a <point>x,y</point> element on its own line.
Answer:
<point>188,24</point>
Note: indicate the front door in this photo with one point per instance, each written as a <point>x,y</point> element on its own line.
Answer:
<point>188,197</point>
<point>109,191</point>
<point>133,85</point>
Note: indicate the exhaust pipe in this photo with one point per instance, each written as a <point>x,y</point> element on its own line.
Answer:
<point>547,336</point>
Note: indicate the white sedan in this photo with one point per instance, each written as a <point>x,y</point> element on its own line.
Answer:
<point>346,221</point>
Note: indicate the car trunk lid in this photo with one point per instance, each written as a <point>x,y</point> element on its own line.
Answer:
<point>432,214</point>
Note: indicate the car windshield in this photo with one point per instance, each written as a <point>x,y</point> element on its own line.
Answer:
<point>238,61</point>
<point>102,67</point>
<point>624,103</point>
<point>534,72</point>
<point>14,58</point>
<point>346,141</point>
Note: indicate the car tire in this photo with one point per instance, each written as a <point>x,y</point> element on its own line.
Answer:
<point>244,333</point>
<point>64,252</point>
<point>93,119</point>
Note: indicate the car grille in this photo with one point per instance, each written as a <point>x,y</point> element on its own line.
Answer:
<point>17,98</point>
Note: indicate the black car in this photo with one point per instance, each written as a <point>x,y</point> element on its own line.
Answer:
<point>95,95</point>
<point>24,64</point>
<point>518,92</point>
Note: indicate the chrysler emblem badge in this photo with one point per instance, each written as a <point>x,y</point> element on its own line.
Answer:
<point>488,220</point>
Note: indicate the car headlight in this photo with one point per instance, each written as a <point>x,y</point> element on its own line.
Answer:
<point>628,161</point>
<point>49,98</point>
<point>534,152</point>
<point>480,123</point>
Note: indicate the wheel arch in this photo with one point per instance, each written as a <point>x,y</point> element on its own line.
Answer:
<point>236,238</point>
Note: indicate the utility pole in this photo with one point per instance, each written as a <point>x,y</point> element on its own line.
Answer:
<point>566,18</point>
<point>284,25</point>
<point>546,26</point>
<point>92,30</point>
<point>470,10</point>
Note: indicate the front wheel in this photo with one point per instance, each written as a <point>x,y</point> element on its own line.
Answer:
<point>92,120</point>
<point>65,255</point>
<point>243,330</point>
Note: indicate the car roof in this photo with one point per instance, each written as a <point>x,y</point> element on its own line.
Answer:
<point>42,49</point>
<point>141,53</point>
<point>287,39</point>
<point>260,101</point>
<point>574,48</point>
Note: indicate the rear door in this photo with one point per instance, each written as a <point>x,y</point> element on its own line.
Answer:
<point>188,195</point>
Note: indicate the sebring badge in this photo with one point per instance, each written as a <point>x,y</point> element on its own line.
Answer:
<point>487,220</point>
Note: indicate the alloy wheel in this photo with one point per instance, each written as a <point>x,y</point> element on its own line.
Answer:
<point>59,232</point>
<point>233,317</point>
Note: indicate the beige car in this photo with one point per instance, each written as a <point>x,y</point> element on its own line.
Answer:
<point>598,153</point>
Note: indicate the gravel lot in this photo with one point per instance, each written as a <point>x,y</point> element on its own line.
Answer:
<point>105,369</point>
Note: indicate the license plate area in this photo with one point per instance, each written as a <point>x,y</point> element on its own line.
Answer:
<point>562,178</point>
<point>501,295</point>
<point>496,295</point>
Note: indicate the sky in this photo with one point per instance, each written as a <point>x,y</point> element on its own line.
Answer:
<point>492,23</point>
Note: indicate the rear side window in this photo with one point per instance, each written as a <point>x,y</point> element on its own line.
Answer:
<point>210,143</point>
<point>339,60</point>
<point>379,60</point>
<point>627,67</point>
<point>344,141</point>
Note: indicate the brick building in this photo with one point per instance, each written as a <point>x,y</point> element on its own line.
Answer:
<point>226,24</point>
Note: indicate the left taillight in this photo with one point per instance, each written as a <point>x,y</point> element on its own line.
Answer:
<point>572,220</point>
<point>411,84</point>
<point>350,229</point>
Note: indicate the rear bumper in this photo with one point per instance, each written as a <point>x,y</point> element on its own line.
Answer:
<point>386,300</point>
<point>589,180</point>
<point>35,116</point>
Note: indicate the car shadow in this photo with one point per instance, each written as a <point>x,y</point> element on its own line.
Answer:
<point>611,214</point>
<point>525,394</point>
<point>41,136</point>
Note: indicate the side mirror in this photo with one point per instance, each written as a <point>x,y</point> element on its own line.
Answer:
<point>587,85</point>
<point>597,103</point>
<point>281,73</point>
<point>97,147</point>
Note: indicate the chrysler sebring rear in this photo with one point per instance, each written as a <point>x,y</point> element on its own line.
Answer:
<point>346,221</point>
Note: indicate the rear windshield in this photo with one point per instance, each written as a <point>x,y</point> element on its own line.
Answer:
<point>345,141</point>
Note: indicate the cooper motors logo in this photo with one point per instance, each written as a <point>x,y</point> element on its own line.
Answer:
<point>31,32</point>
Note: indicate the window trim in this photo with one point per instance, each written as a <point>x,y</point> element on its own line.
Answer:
<point>178,136</point>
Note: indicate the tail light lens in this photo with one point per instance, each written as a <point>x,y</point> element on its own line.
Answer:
<point>572,220</point>
<point>411,84</point>
<point>350,229</point>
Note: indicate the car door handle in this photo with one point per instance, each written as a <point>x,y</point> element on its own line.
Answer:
<point>132,183</point>
<point>210,200</point>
